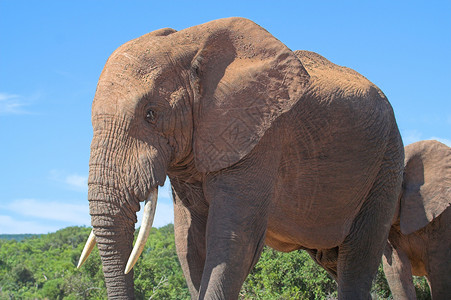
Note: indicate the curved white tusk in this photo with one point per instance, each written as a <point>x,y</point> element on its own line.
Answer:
<point>144,231</point>
<point>90,243</point>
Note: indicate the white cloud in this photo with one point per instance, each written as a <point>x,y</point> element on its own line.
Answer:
<point>5,96</point>
<point>52,211</point>
<point>73,181</point>
<point>410,136</point>
<point>77,181</point>
<point>35,216</point>
<point>12,104</point>
<point>40,216</point>
<point>10,225</point>
<point>45,217</point>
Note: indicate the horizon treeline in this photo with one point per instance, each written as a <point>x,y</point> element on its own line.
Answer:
<point>44,267</point>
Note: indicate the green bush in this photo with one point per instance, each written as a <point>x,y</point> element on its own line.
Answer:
<point>22,275</point>
<point>291,275</point>
<point>53,289</point>
<point>421,288</point>
<point>44,266</point>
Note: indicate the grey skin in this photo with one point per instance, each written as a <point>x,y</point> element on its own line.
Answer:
<point>259,147</point>
<point>419,242</point>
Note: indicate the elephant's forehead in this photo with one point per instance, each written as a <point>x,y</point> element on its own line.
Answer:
<point>128,65</point>
<point>119,93</point>
<point>127,75</point>
<point>134,70</point>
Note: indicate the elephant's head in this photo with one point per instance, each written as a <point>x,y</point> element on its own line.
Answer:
<point>427,184</point>
<point>181,103</point>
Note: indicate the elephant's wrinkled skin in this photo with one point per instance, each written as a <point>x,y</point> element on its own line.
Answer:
<point>258,149</point>
<point>419,242</point>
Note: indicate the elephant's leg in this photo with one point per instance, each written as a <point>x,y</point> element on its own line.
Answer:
<point>236,230</point>
<point>398,272</point>
<point>438,239</point>
<point>190,219</point>
<point>360,254</point>
<point>440,280</point>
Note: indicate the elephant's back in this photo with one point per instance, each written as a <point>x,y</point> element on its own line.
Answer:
<point>328,79</point>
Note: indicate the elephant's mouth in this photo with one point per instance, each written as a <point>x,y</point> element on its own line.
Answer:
<point>144,231</point>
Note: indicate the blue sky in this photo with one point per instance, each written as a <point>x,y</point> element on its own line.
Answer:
<point>52,53</point>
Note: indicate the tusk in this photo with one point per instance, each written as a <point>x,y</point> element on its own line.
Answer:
<point>90,243</point>
<point>144,231</point>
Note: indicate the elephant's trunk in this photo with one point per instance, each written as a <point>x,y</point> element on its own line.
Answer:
<point>144,231</point>
<point>114,257</point>
<point>115,246</point>
<point>114,237</point>
<point>124,169</point>
<point>117,184</point>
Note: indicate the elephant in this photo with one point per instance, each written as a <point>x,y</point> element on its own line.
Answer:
<point>419,241</point>
<point>259,148</point>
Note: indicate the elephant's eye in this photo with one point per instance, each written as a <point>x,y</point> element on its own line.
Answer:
<point>151,116</point>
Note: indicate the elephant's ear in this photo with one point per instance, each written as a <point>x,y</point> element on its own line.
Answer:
<point>427,184</point>
<point>243,79</point>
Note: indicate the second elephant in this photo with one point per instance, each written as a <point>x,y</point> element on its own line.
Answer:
<point>419,241</point>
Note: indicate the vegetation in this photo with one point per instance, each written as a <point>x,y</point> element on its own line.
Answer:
<point>17,237</point>
<point>44,267</point>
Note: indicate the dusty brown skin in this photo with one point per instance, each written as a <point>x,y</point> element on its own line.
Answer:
<point>258,149</point>
<point>419,242</point>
